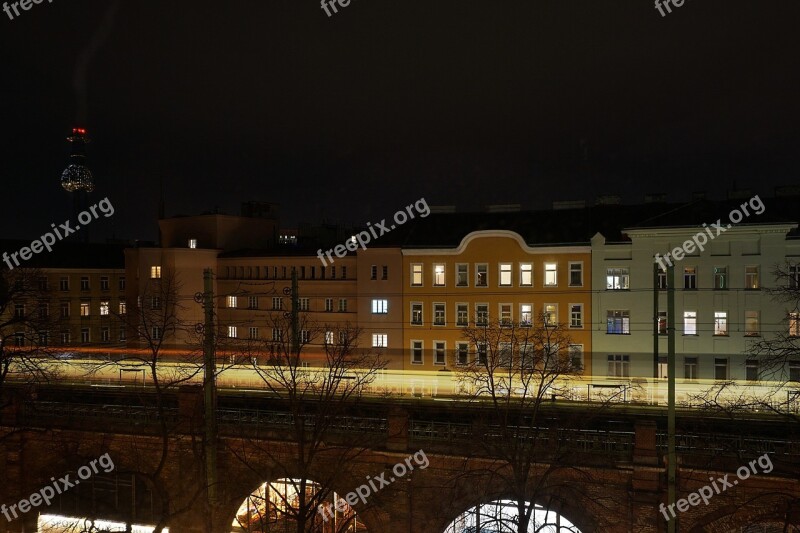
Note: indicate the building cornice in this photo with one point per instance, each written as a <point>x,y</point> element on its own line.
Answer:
<point>506,234</point>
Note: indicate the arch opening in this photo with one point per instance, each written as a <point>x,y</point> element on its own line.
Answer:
<point>502,516</point>
<point>289,505</point>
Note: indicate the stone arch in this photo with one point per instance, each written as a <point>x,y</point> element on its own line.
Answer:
<point>497,513</point>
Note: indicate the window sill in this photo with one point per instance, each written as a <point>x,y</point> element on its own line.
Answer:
<point>416,362</point>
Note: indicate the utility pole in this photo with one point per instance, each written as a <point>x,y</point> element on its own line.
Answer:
<point>672,466</point>
<point>210,394</point>
<point>295,316</point>
<point>655,324</point>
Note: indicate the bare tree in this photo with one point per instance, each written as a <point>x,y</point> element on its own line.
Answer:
<point>319,389</point>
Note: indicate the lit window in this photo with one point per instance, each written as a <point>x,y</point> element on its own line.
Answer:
<point>751,324</point>
<point>462,314</point>
<point>329,337</point>
<point>751,281</point>
<point>550,315</point>
<point>155,272</point>
<point>618,278</point>
<point>794,324</point>
<point>690,322</point>
<point>379,340</point>
<point>690,278</point>
<point>84,308</point>
<point>438,275</point>
<point>576,316</point>
<point>303,303</point>
<point>662,322</point>
<point>104,307</point>
<point>305,336</point>
<point>618,322</point>
<point>462,275</point>
<point>438,314</point>
<point>192,243</point>
<point>232,332</point>
<point>505,274</point>
<point>550,274</point>
<point>123,307</point>
<point>525,274</point>
<point>416,313</point>
<point>505,314</point>
<point>576,274</point>
<point>525,314</point>
<point>438,353</point>
<point>720,278</point>
<point>482,275</point>
<point>416,275</point>
<point>720,323</point>
<point>231,302</point>
<point>380,306</point>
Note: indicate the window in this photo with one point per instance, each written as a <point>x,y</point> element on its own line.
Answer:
<point>462,351</point>
<point>385,272</point>
<point>481,349</point>
<point>662,279</point>
<point>329,337</point>
<point>505,314</point>
<point>462,315</point>
<point>84,308</point>
<point>19,339</point>
<point>690,322</point>
<point>305,336</point>
<point>344,272</point>
<point>720,323</point>
<point>253,332</point>
<point>85,337</point>
<point>19,310</point>
<point>720,368</point>
<point>576,274</point>
<point>690,367</point>
<point>662,322</point>
<point>333,272</point>
<point>462,275</point>
<point>329,304</point>
<point>618,322</point>
<point>690,278</point>
<point>619,366</point>
<point>43,283</point>
<point>64,309</point>
<point>231,302</point>
<point>123,307</point>
<point>104,307</point>
<point>380,306</point>
<point>84,283</point>
<point>482,275</point>
<point>277,335</point>
<point>438,275</point>
<point>155,302</point>
<point>416,313</point>
<point>720,278</point>
<point>438,314</point>
<point>277,303</point>
<point>751,370</point>
<point>576,316</point>
<point>794,276</point>
<point>373,272</point>
<point>192,243</point>
<point>342,305</point>
<point>252,302</point>
<point>157,333</point>
<point>303,304</point>
<point>65,339</point>
<point>416,275</point>
<point>550,274</point>
<point>794,371</point>
<point>122,283</point>
<point>63,283</point>
<point>105,334</point>
<point>576,357</point>
<point>618,279</point>
<point>751,281</point>
<point>103,283</point>
<point>505,274</point>
<point>751,324</point>
<point>525,274</point>
<point>416,352</point>
<point>155,272</point>
<point>794,324</point>
<point>550,314</point>
<point>438,352</point>
<point>44,310</point>
<point>525,314</point>
<point>232,332</point>
<point>481,314</point>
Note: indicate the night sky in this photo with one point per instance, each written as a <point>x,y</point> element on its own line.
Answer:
<point>353,116</point>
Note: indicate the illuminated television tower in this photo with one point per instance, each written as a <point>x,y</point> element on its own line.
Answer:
<point>77,178</point>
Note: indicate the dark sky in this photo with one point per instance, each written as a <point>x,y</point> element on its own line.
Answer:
<point>353,116</point>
